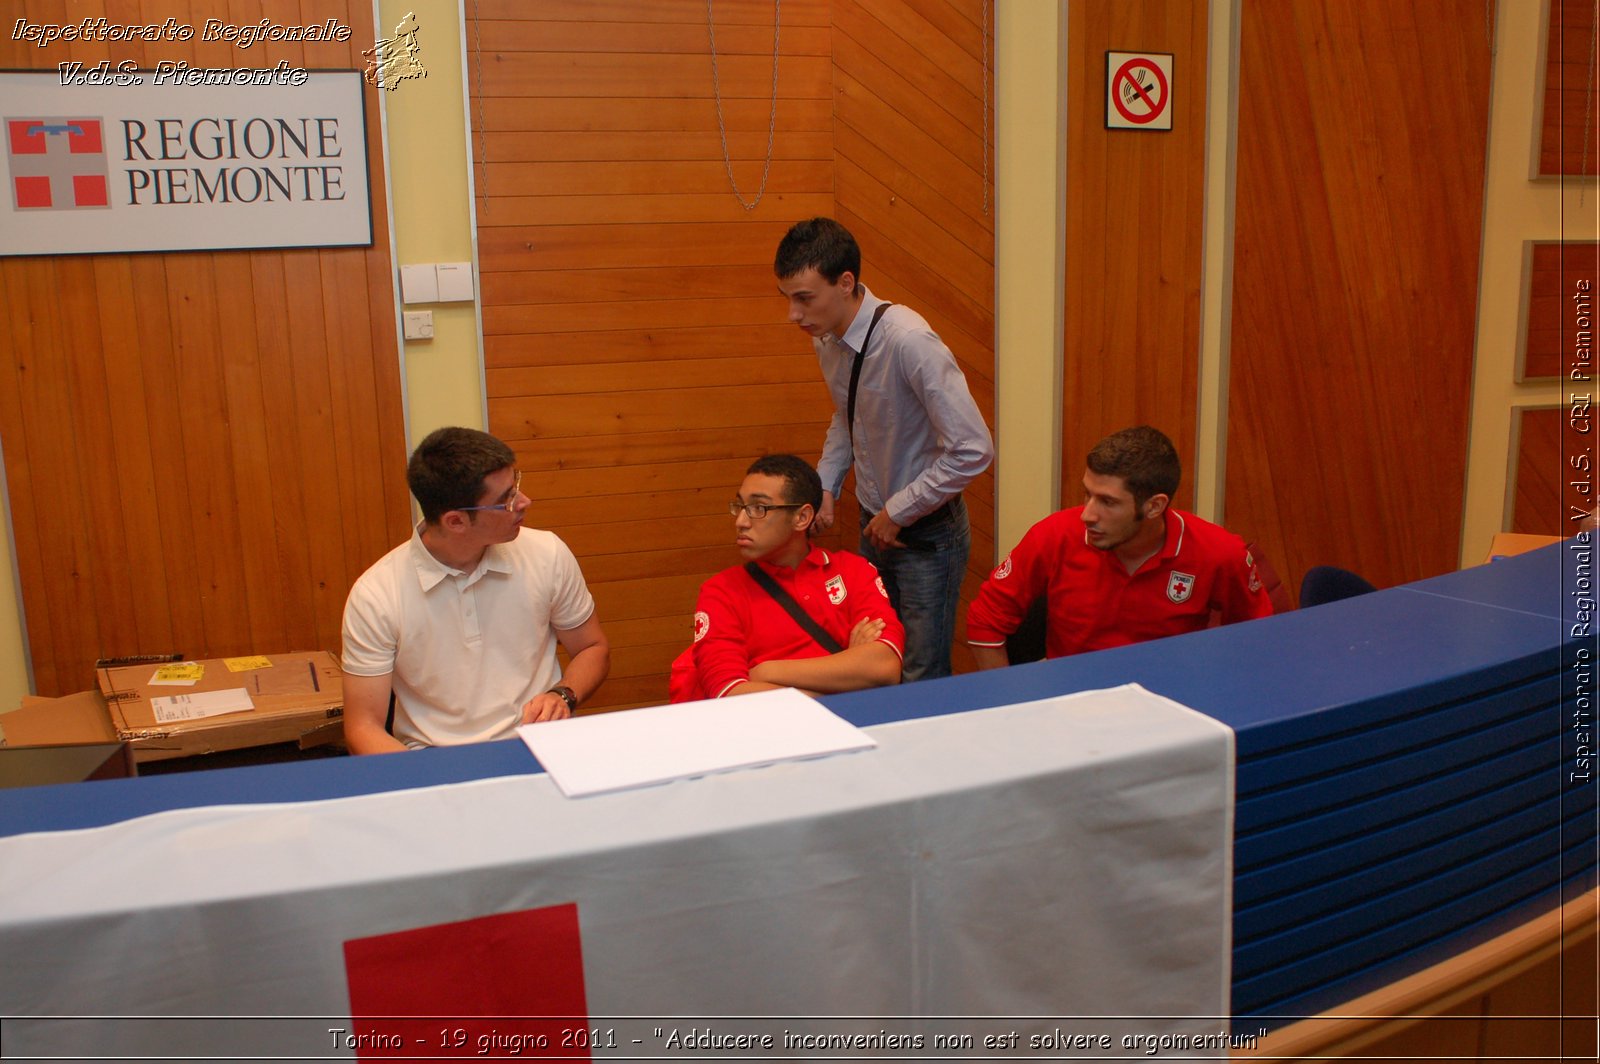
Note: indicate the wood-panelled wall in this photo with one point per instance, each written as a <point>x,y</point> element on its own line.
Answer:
<point>1135,216</point>
<point>1355,282</point>
<point>638,357</point>
<point>1553,469</point>
<point>1570,91</point>
<point>203,450</point>
<point>1559,277</point>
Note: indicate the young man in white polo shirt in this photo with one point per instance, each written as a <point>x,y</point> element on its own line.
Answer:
<point>461,622</point>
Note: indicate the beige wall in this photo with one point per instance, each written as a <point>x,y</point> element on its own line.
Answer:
<point>1030,178</point>
<point>431,208</point>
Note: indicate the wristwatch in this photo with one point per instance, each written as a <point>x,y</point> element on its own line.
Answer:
<point>567,696</point>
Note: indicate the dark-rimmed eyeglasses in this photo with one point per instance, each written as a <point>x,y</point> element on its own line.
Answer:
<point>510,503</point>
<point>758,510</point>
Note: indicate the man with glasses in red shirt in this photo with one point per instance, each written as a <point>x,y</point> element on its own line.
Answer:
<point>461,623</point>
<point>748,636</point>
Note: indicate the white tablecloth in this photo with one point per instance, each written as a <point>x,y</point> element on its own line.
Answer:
<point>1062,858</point>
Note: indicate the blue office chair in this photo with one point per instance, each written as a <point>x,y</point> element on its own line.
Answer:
<point>1329,583</point>
<point>1027,642</point>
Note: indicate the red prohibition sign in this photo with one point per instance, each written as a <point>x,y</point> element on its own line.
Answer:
<point>1126,73</point>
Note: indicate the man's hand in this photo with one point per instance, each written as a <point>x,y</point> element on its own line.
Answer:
<point>882,532</point>
<point>867,630</point>
<point>825,514</point>
<point>548,706</point>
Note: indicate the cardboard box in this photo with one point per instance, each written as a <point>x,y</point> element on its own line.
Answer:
<point>61,740</point>
<point>79,718</point>
<point>295,695</point>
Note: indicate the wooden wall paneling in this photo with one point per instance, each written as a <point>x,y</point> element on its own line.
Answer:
<point>1355,279</point>
<point>638,345</point>
<point>204,448</point>
<point>313,424</point>
<point>914,183</point>
<point>133,469</point>
<point>1544,491</point>
<point>643,209</point>
<point>1557,273</point>
<point>281,479</point>
<point>667,446</point>
<point>636,350</point>
<point>633,74</point>
<point>198,410</point>
<point>1565,147</point>
<point>160,403</point>
<point>354,404</point>
<point>67,513</point>
<point>669,246</point>
<point>965,325</point>
<point>1134,217</point>
<point>94,444</point>
<point>678,313</point>
<point>247,455</point>
<point>519,289</point>
<point>575,380</point>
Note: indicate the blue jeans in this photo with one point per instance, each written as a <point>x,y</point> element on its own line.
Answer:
<point>924,584</point>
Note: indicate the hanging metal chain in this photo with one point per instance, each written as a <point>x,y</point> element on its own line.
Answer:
<point>772,121</point>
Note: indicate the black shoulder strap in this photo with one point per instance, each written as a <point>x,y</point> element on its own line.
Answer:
<point>855,370</point>
<point>786,600</point>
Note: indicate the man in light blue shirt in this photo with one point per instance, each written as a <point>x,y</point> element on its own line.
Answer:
<point>904,417</point>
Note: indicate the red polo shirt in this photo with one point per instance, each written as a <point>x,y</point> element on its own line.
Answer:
<point>737,625</point>
<point>1096,603</point>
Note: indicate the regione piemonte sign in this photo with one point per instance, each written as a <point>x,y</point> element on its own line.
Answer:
<point>153,166</point>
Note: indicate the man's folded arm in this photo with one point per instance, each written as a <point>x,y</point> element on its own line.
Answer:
<point>875,664</point>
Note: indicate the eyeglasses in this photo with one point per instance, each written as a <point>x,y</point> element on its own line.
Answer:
<point>510,504</point>
<point>758,510</point>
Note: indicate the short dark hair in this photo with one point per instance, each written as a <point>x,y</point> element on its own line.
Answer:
<point>1143,457</point>
<point>447,470</point>
<point>800,481</point>
<point>821,243</point>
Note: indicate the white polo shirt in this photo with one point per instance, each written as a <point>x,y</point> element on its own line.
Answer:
<point>466,650</point>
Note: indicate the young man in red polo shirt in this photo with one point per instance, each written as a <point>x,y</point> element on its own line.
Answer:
<point>1122,568</point>
<point>745,640</point>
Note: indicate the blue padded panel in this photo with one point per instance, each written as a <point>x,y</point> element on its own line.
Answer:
<point>82,805</point>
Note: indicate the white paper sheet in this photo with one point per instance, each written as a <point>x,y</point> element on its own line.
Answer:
<point>640,747</point>
<point>201,704</point>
